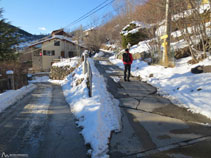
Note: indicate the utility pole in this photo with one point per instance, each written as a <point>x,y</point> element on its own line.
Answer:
<point>167,40</point>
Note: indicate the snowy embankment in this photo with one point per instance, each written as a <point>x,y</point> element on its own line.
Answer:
<point>192,91</point>
<point>10,97</point>
<point>72,62</point>
<point>98,115</point>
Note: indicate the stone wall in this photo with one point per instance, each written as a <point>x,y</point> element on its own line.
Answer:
<point>59,73</point>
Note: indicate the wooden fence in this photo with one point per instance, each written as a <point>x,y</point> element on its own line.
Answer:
<point>4,85</point>
<point>13,82</point>
<point>87,69</point>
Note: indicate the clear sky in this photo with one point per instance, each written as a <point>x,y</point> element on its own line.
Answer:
<point>44,16</point>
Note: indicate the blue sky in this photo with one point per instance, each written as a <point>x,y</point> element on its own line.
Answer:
<point>44,16</point>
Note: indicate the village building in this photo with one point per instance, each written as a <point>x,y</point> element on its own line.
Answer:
<point>47,50</point>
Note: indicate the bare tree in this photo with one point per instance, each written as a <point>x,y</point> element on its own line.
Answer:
<point>94,40</point>
<point>94,37</point>
<point>193,27</point>
<point>78,34</point>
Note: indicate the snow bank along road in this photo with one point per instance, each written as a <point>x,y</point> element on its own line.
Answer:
<point>152,126</point>
<point>41,125</point>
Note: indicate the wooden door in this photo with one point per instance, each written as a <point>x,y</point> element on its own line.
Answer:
<point>62,54</point>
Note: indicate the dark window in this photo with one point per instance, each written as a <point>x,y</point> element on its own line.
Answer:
<point>49,52</point>
<point>62,54</point>
<point>56,43</point>
<point>70,54</point>
<point>36,53</point>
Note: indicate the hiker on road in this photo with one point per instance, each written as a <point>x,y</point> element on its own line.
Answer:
<point>127,61</point>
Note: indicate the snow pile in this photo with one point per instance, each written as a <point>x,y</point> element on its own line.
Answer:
<point>111,46</point>
<point>143,46</point>
<point>98,115</point>
<point>100,54</point>
<point>178,84</point>
<point>10,97</point>
<point>72,62</point>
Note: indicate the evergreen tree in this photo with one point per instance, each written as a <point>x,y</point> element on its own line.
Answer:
<point>9,38</point>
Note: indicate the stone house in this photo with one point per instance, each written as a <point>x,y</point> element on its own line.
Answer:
<point>58,45</point>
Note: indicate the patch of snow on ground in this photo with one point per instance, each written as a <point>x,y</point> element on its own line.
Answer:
<point>103,62</point>
<point>99,115</point>
<point>142,46</point>
<point>10,97</point>
<point>185,89</point>
<point>115,78</point>
<point>44,79</point>
<point>37,79</point>
<point>107,51</point>
<point>109,72</point>
<point>100,54</point>
<point>117,62</point>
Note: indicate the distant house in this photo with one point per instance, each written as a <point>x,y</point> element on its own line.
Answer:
<point>58,45</point>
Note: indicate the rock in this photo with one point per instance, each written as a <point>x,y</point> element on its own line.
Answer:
<point>197,70</point>
<point>199,89</point>
<point>192,61</point>
<point>79,81</point>
<point>182,53</point>
<point>201,69</point>
<point>151,75</point>
<point>207,69</point>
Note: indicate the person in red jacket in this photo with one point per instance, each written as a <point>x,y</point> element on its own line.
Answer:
<point>127,59</point>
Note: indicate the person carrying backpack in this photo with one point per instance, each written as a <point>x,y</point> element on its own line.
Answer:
<point>127,59</point>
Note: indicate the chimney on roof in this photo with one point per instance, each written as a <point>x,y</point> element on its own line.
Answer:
<point>58,32</point>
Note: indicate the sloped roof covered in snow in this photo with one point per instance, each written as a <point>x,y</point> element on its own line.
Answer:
<point>57,34</point>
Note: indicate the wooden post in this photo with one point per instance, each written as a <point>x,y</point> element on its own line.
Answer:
<point>89,79</point>
<point>10,75</point>
<point>168,31</point>
<point>165,51</point>
<point>85,63</point>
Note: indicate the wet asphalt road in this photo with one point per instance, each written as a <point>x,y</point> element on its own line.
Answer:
<point>41,126</point>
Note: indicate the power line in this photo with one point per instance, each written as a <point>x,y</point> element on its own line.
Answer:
<point>89,14</point>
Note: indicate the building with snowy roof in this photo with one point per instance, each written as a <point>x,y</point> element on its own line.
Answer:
<point>58,45</point>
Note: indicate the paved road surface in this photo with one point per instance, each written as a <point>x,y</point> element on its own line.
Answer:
<point>152,126</point>
<point>42,126</point>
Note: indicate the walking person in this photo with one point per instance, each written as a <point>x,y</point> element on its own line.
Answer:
<point>127,61</point>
